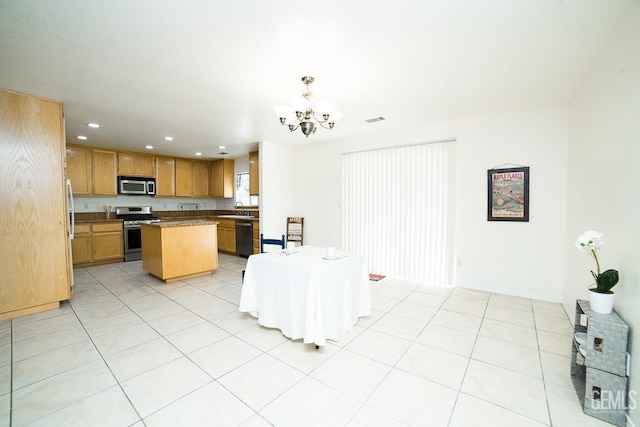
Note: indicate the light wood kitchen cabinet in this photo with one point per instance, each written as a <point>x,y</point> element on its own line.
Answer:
<point>226,235</point>
<point>79,169</point>
<point>108,244</point>
<point>222,178</point>
<point>184,178</point>
<point>35,250</point>
<point>256,236</point>
<point>200,178</point>
<point>179,249</point>
<point>81,245</point>
<point>98,243</point>
<point>165,176</point>
<point>254,176</point>
<point>103,173</point>
<point>134,164</point>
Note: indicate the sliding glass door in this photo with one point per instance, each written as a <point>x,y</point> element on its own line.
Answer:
<point>397,207</point>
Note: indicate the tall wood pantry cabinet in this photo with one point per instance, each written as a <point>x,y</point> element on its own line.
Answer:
<point>35,249</point>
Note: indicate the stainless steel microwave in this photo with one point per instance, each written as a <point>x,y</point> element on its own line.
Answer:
<point>136,186</point>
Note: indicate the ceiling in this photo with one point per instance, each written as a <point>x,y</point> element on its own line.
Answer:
<point>209,72</point>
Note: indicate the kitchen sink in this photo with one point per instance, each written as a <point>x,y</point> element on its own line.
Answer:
<point>237,216</point>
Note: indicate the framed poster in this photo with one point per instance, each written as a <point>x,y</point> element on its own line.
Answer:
<point>294,230</point>
<point>508,194</point>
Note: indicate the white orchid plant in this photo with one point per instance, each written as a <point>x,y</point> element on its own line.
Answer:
<point>591,242</point>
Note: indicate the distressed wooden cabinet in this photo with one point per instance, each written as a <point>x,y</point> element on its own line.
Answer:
<point>35,251</point>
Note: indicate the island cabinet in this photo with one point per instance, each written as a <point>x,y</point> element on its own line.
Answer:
<point>165,176</point>
<point>176,250</point>
<point>103,173</point>
<point>222,178</point>
<point>254,176</point>
<point>134,164</point>
<point>226,235</point>
<point>97,243</point>
<point>36,271</point>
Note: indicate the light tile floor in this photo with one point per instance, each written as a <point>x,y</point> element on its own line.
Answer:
<point>129,350</point>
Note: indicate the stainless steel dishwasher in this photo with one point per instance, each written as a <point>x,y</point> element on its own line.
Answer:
<point>244,237</point>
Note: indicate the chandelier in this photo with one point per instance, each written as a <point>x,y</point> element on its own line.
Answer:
<point>302,114</point>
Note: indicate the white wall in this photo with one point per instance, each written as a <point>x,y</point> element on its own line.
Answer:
<point>523,259</point>
<point>276,188</point>
<point>604,177</point>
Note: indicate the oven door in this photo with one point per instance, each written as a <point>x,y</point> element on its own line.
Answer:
<point>132,242</point>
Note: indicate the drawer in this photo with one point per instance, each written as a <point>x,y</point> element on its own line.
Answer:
<point>100,227</point>
<point>82,228</point>
<point>226,223</point>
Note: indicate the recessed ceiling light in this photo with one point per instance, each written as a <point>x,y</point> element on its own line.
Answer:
<point>149,147</point>
<point>198,154</point>
<point>82,137</point>
<point>222,147</point>
<point>93,125</point>
<point>168,138</point>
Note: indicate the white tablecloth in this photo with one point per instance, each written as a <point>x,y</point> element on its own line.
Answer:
<point>305,295</point>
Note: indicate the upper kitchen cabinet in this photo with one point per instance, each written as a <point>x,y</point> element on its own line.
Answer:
<point>192,178</point>
<point>200,178</point>
<point>79,169</point>
<point>184,178</point>
<point>165,176</point>
<point>35,250</point>
<point>134,164</point>
<point>92,171</point>
<point>103,173</point>
<point>254,177</point>
<point>222,178</point>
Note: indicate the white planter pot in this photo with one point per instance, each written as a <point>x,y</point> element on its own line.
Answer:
<point>601,303</point>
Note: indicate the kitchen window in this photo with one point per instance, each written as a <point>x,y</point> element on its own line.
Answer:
<point>242,190</point>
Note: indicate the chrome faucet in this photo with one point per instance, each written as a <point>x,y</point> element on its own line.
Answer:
<point>242,212</point>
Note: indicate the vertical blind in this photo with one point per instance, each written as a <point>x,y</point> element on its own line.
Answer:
<point>395,209</point>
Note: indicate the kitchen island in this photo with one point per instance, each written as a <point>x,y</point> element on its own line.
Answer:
<point>175,250</point>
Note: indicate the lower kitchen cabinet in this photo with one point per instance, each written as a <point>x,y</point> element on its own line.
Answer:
<point>226,235</point>
<point>97,243</point>
<point>256,236</point>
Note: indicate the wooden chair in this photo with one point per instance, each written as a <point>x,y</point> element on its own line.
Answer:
<point>279,242</point>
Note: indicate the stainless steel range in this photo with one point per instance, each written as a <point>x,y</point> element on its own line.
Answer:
<point>133,216</point>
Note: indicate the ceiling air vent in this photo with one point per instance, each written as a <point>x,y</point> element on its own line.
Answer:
<point>375,119</point>
<point>223,153</point>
